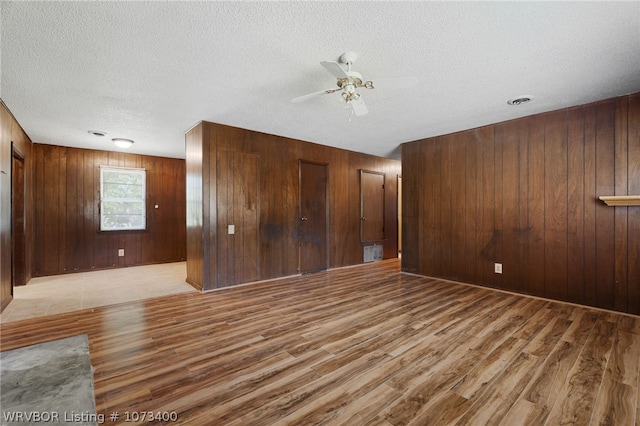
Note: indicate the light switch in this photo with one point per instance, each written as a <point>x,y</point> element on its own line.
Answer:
<point>231,229</point>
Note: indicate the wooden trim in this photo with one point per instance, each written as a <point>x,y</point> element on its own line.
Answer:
<point>621,200</point>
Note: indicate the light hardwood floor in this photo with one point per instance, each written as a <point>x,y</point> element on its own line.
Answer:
<point>366,345</point>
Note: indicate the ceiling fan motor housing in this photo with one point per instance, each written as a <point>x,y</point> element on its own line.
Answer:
<point>348,57</point>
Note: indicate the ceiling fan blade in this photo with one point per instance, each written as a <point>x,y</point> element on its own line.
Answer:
<point>313,95</point>
<point>359,107</point>
<point>334,68</point>
<point>395,83</point>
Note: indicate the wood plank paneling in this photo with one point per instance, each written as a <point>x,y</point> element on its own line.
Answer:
<point>224,206</point>
<point>575,206</point>
<point>555,217</point>
<point>633,219</point>
<point>278,194</point>
<point>410,210</point>
<point>273,229</point>
<point>73,196</point>
<point>490,234</point>
<point>508,134</point>
<point>18,220</point>
<point>536,202</point>
<point>444,231</point>
<point>498,184</point>
<point>590,167</point>
<point>339,246</point>
<point>531,203</point>
<point>470,191</point>
<point>429,209</point>
<point>67,218</point>
<point>523,232</point>
<point>458,205</point>
<point>478,242</point>
<point>605,216</point>
<point>195,205</point>
<point>238,206</point>
<point>50,206</point>
<point>12,135</point>
<point>621,182</point>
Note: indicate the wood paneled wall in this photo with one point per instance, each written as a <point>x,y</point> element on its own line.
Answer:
<point>12,133</point>
<point>524,193</point>
<point>67,219</point>
<point>278,197</point>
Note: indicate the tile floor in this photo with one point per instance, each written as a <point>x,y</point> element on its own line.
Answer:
<point>56,294</point>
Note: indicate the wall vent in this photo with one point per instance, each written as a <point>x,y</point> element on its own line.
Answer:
<point>372,253</point>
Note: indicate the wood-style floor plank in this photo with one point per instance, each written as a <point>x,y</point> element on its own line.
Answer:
<point>365,345</point>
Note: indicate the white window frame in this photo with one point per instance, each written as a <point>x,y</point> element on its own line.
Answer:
<point>142,199</point>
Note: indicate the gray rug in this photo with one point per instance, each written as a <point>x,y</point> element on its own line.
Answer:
<point>48,383</point>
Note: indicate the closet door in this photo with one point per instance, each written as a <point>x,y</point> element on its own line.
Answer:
<point>313,220</point>
<point>371,206</point>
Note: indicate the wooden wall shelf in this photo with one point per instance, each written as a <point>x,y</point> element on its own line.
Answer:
<point>621,200</point>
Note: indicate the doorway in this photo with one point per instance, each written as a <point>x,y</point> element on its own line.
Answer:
<point>313,220</point>
<point>371,206</point>
<point>399,216</point>
<point>18,232</point>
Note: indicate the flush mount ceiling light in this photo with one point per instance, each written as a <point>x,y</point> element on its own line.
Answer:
<point>122,143</point>
<point>519,100</point>
<point>97,133</point>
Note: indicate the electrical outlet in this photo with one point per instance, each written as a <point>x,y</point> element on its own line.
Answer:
<point>231,229</point>
<point>120,252</point>
<point>497,268</point>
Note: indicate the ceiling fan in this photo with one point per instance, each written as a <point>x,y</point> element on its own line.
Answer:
<point>350,81</point>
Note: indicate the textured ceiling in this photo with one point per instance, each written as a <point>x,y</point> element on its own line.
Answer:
<point>149,71</point>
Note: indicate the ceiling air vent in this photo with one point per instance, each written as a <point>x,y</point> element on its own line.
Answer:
<point>519,101</point>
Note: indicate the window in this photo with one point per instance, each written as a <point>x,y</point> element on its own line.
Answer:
<point>122,199</point>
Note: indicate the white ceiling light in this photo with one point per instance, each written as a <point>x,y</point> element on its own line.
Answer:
<point>122,143</point>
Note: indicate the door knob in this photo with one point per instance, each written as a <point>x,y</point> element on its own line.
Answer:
<point>303,218</point>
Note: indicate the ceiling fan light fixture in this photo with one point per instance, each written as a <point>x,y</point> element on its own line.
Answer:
<point>349,81</point>
<point>122,143</point>
<point>350,89</point>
